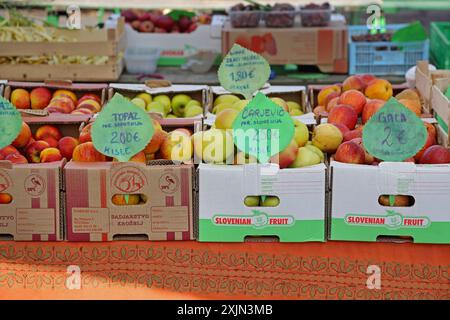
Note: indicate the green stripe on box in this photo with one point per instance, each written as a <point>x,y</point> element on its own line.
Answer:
<point>171,61</point>
<point>437,232</point>
<point>442,123</point>
<point>301,231</point>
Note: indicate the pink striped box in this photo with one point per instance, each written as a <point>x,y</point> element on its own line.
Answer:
<point>167,213</point>
<point>36,210</point>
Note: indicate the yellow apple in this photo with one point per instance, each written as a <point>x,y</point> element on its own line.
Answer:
<point>301,135</point>
<point>251,201</point>
<point>270,201</point>
<point>214,145</point>
<point>226,98</point>
<point>225,119</point>
<point>139,102</point>
<point>305,157</point>
<point>145,96</point>
<point>293,105</point>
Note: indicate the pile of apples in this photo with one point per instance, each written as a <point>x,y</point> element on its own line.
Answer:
<point>47,145</point>
<point>156,22</point>
<point>351,105</point>
<point>231,101</point>
<point>60,101</point>
<point>180,106</point>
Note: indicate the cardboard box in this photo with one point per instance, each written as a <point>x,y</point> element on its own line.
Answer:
<point>176,46</point>
<point>288,93</point>
<point>37,208</point>
<point>223,216</point>
<point>325,47</point>
<point>356,214</point>
<point>425,79</point>
<point>168,213</point>
<point>88,42</point>
<point>100,89</point>
<point>441,106</point>
<point>197,92</point>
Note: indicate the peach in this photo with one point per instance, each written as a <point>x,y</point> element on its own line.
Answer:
<point>138,157</point>
<point>323,93</point>
<point>5,198</point>
<point>40,98</point>
<point>46,131</point>
<point>350,152</point>
<point>86,152</point>
<point>353,98</point>
<point>177,146</point>
<point>286,157</point>
<point>51,155</point>
<point>66,93</point>
<point>34,149</point>
<point>16,158</point>
<point>431,129</point>
<point>85,134</point>
<point>409,94</point>
<point>89,96</point>
<point>435,154</point>
<point>332,103</point>
<point>342,127</point>
<point>369,159</point>
<point>225,119</point>
<point>353,83</point>
<point>20,98</point>
<point>155,143</point>
<point>319,110</point>
<point>6,151</point>
<point>379,89</point>
<point>52,142</point>
<point>431,140</point>
<point>343,114</point>
<point>61,104</point>
<point>23,138</point>
<point>90,104</point>
<point>120,200</point>
<point>372,106</point>
<point>352,134</point>
<point>365,79</point>
<point>412,105</point>
<point>330,97</point>
<point>66,145</point>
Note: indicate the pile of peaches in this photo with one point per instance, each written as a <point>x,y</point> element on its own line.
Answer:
<point>349,106</point>
<point>60,101</point>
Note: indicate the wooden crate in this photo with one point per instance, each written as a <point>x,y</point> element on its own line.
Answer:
<point>89,42</point>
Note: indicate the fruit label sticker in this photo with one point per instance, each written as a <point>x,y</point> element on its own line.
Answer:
<point>262,129</point>
<point>121,129</point>
<point>243,71</point>
<point>394,133</point>
<point>10,123</point>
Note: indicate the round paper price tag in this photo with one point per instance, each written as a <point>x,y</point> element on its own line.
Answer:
<point>122,129</point>
<point>10,123</point>
<point>394,133</point>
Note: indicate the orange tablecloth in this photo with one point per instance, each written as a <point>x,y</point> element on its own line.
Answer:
<point>190,270</point>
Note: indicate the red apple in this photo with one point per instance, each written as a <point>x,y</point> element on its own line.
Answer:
<point>165,22</point>
<point>146,26</point>
<point>435,154</point>
<point>343,114</point>
<point>350,152</point>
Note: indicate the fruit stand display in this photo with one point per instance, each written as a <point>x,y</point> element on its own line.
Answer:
<point>32,52</point>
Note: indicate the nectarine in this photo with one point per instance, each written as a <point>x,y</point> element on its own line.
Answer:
<point>20,98</point>
<point>379,89</point>
<point>40,98</point>
<point>34,149</point>
<point>343,114</point>
<point>435,154</point>
<point>86,152</point>
<point>23,138</point>
<point>372,106</point>
<point>50,155</point>
<point>350,152</point>
<point>66,145</point>
<point>353,98</point>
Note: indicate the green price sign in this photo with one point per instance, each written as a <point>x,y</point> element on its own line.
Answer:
<point>10,123</point>
<point>394,133</point>
<point>262,129</point>
<point>122,129</point>
<point>243,71</point>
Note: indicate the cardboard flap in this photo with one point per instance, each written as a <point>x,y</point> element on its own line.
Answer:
<point>396,177</point>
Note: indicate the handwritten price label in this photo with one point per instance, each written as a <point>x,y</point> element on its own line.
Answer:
<point>262,129</point>
<point>243,71</point>
<point>394,133</point>
<point>10,123</point>
<point>122,129</point>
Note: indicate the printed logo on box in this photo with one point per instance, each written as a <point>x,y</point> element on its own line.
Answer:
<point>259,220</point>
<point>129,179</point>
<point>5,181</point>
<point>34,185</point>
<point>168,183</point>
<point>392,220</point>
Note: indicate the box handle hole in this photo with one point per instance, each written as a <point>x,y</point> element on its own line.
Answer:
<point>399,200</point>
<point>261,201</point>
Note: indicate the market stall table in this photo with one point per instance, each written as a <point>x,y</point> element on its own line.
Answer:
<point>191,270</point>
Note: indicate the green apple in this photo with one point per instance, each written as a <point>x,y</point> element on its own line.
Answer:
<point>251,201</point>
<point>221,107</point>
<point>305,157</point>
<point>157,107</point>
<point>171,116</point>
<point>226,98</point>
<point>179,103</point>
<point>316,150</point>
<point>139,102</point>
<point>293,105</point>
<point>295,112</point>
<point>165,100</point>
<point>301,135</point>
<point>270,201</point>
<point>214,145</point>
<point>145,96</point>
<point>193,102</point>
<point>241,104</point>
<point>193,111</point>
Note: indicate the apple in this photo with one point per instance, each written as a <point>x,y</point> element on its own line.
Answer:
<point>270,201</point>
<point>327,137</point>
<point>157,107</point>
<point>179,103</point>
<point>343,114</point>
<point>350,152</point>
<point>280,102</point>
<point>251,201</point>
<point>139,103</point>
<point>316,150</point>
<point>226,98</point>
<point>225,119</point>
<point>214,146</point>
<point>301,133</point>
<point>435,154</point>
<point>305,157</point>
<point>372,106</point>
<point>287,156</point>
<point>165,22</point>
<point>165,100</point>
